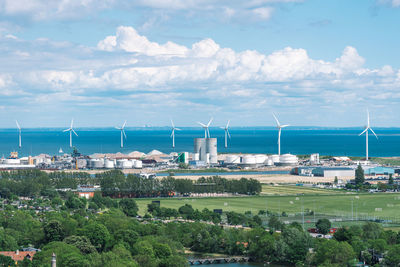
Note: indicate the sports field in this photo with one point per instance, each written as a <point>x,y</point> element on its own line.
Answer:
<point>296,190</point>
<point>383,205</point>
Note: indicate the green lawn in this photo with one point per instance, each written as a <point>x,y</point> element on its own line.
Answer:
<point>295,190</point>
<point>381,205</point>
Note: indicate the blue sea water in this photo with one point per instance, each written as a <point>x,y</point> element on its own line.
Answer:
<point>340,142</point>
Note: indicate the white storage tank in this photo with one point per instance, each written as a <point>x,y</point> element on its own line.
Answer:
<point>232,159</point>
<point>260,159</point>
<point>249,159</point>
<point>12,161</point>
<point>109,164</point>
<point>288,159</point>
<point>124,164</point>
<point>98,163</point>
<point>275,158</point>
<point>196,156</point>
<point>138,164</point>
<point>270,162</point>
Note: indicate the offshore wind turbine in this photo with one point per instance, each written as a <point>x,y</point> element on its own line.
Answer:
<point>205,127</point>
<point>122,129</point>
<point>366,135</point>
<point>19,134</point>
<point>279,126</point>
<point>71,130</point>
<point>173,133</point>
<point>226,129</point>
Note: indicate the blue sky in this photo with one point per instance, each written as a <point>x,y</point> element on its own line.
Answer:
<point>313,62</point>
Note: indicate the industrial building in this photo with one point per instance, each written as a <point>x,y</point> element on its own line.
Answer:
<point>205,149</point>
<point>378,170</point>
<point>331,172</point>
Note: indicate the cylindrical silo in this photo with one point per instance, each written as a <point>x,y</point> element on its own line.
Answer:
<point>200,148</point>
<point>211,147</point>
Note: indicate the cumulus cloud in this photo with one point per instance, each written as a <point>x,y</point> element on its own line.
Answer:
<point>128,69</point>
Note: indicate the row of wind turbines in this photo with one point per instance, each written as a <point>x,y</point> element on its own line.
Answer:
<point>206,132</point>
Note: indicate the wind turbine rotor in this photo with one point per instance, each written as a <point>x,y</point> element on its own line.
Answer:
<point>373,133</point>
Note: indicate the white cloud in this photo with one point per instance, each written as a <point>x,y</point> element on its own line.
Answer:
<point>127,39</point>
<point>263,13</point>
<point>127,69</point>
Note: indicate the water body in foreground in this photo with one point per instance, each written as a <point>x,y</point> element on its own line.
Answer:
<point>340,142</point>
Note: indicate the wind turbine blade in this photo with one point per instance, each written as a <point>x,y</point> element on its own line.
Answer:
<point>208,124</point>
<point>373,133</point>
<point>366,129</point>
<point>118,128</point>
<point>208,131</point>
<point>227,125</point>
<point>286,125</point>
<point>123,126</point>
<point>223,128</point>
<point>19,128</point>
<point>67,130</point>
<point>229,135</point>
<point>172,133</point>
<point>276,119</point>
<point>178,129</point>
<point>123,133</point>
<point>72,123</point>
<point>367,118</point>
<point>74,132</point>
<point>172,123</point>
<point>202,124</point>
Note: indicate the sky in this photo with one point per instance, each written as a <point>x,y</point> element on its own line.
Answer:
<point>311,62</point>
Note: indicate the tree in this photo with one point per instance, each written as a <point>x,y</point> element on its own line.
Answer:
<point>67,255</point>
<point>53,231</point>
<point>97,234</point>
<point>390,181</point>
<point>359,175</point>
<point>392,257</point>
<point>343,234</point>
<point>323,226</point>
<point>274,223</point>
<point>293,246</point>
<point>6,261</point>
<point>82,243</point>
<point>336,180</point>
<point>129,206</point>
<point>333,252</point>
<point>372,230</point>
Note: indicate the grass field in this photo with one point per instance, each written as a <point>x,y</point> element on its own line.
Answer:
<point>296,190</point>
<point>383,205</point>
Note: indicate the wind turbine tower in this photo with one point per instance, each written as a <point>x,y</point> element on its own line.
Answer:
<point>19,135</point>
<point>279,126</point>
<point>205,127</point>
<point>366,135</point>
<point>71,130</point>
<point>226,129</point>
<point>173,133</point>
<point>122,129</point>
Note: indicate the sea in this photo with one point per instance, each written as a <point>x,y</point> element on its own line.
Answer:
<point>299,141</point>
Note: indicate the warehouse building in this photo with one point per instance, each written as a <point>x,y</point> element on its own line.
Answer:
<point>379,171</point>
<point>333,172</point>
